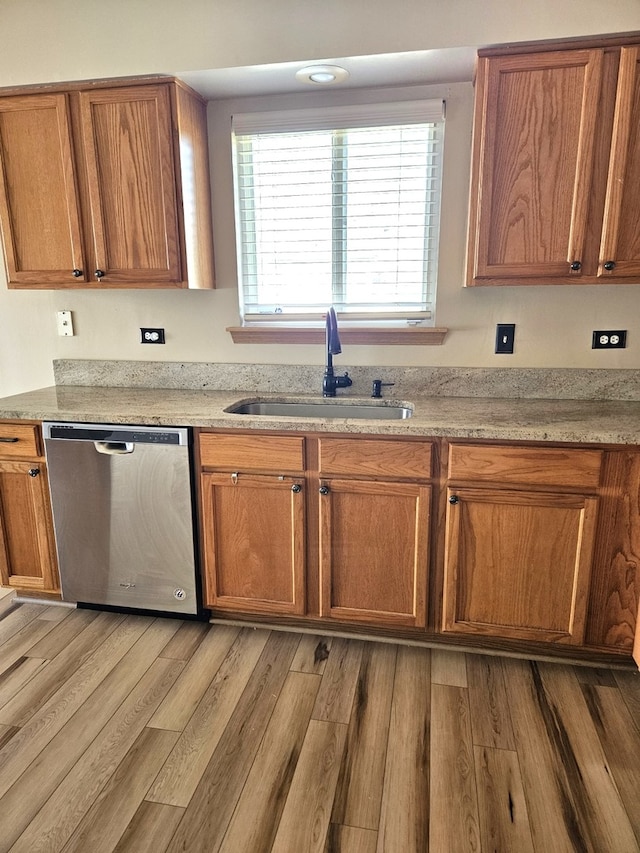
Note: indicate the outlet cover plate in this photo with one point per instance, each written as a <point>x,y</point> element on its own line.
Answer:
<point>151,336</point>
<point>609,339</point>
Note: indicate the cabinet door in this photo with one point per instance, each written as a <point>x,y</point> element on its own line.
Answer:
<point>533,161</point>
<point>517,563</point>
<point>620,248</point>
<point>39,209</point>
<point>128,147</point>
<point>374,541</point>
<point>27,551</point>
<point>254,546</point>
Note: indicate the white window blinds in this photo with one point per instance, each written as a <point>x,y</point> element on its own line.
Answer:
<point>339,207</point>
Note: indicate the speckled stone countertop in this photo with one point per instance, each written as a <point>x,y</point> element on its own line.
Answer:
<point>583,421</point>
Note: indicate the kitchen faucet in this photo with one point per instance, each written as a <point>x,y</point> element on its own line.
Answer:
<point>330,381</point>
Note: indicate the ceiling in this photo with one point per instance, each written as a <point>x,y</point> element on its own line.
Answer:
<point>448,65</point>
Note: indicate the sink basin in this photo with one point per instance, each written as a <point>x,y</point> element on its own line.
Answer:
<point>321,409</point>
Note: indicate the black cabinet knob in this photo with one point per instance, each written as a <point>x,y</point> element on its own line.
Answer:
<point>296,488</point>
<point>76,273</point>
<point>33,472</point>
<point>324,490</point>
<point>576,265</point>
<point>99,274</point>
<point>609,265</point>
<point>454,499</point>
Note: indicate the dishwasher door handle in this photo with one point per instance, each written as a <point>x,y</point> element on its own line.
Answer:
<point>114,448</point>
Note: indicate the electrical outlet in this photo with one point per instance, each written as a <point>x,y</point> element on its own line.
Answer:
<point>616,339</point>
<point>151,336</point>
<point>505,334</point>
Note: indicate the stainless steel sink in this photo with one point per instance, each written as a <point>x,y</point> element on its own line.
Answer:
<point>321,409</point>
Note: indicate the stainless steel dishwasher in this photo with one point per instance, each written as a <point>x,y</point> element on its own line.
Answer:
<point>123,518</point>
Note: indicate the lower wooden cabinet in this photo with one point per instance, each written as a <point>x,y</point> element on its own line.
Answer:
<point>518,564</point>
<point>529,545</point>
<point>27,550</point>
<point>365,535</point>
<point>374,552</point>
<point>254,542</point>
<point>520,536</point>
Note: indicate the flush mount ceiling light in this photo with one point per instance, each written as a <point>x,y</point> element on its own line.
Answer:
<point>322,74</point>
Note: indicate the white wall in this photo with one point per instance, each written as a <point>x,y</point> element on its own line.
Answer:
<point>51,40</point>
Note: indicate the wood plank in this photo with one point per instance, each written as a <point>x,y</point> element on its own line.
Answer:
<point>109,816</point>
<point>629,686</point>
<point>13,620</point>
<point>261,804</point>
<point>621,745</point>
<point>312,654</point>
<point>404,812</point>
<point>595,677</point>
<point>78,649</point>
<point>150,829</point>
<point>596,798</point>
<point>57,735</point>
<point>19,643</point>
<point>338,685</point>
<point>561,810</point>
<point>502,807</point>
<point>14,679</point>
<point>453,783</point>
<point>50,829</point>
<point>182,771</point>
<point>350,839</point>
<point>490,716</point>
<point>6,733</point>
<point>211,807</point>
<point>359,791</point>
<point>183,698</point>
<point>184,643</point>
<point>58,612</point>
<point>65,631</point>
<point>305,818</point>
<point>448,667</point>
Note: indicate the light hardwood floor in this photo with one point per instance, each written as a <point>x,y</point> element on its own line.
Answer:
<point>128,733</point>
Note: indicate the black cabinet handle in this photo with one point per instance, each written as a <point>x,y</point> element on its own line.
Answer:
<point>9,440</point>
<point>324,490</point>
<point>76,273</point>
<point>99,274</point>
<point>576,265</point>
<point>609,265</point>
<point>454,499</point>
<point>296,488</point>
<point>33,472</point>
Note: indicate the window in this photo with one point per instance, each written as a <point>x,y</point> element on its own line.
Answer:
<point>339,207</point>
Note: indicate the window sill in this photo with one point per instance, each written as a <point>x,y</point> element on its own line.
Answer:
<point>367,335</point>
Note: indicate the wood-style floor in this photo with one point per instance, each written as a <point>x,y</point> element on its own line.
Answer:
<point>128,733</point>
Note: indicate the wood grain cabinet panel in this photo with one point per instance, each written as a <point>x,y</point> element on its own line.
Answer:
<point>227,452</point>
<point>375,458</point>
<point>106,186</point>
<point>28,558</point>
<point>518,564</point>
<point>254,543</point>
<point>374,552</point>
<point>556,166</point>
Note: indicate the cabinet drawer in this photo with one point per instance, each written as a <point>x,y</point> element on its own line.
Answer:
<point>375,458</point>
<point>19,440</point>
<point>535,466</point>
<point>252,452</point>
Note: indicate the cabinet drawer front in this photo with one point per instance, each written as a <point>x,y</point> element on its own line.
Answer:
<point>375,457</point>
<point>19,440</point>
<point>535,466</point>
<point>252,452</point>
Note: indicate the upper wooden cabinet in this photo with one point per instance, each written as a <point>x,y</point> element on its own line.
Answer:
<point>106,186</point>
<point>556,166</point>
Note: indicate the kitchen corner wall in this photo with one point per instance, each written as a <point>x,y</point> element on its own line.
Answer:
<point>53,40</point>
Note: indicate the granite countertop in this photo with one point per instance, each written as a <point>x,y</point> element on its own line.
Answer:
<point>593,421</point>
